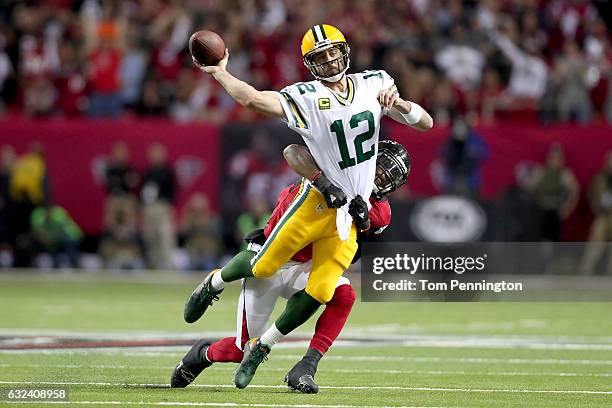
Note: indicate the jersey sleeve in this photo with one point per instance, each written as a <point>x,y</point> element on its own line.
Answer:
<point>380,80</point>
<point>387,81</point>
<point>296,110</point>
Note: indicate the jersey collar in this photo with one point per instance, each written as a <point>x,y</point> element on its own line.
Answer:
<point>350,95</point>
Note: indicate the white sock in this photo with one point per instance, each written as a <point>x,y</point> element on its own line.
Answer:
<point>217,281</point>
<point>271,336</point>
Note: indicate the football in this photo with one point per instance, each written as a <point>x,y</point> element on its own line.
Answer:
<point>206,47</point>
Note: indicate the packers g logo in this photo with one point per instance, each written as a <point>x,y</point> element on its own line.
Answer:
<point>324,103</point>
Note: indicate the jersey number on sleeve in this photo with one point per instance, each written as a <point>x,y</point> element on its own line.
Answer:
<point>303,88</point>
<point>371,74</point>
<point>338,128</point>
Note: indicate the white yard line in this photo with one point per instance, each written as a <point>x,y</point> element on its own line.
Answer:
<point>471,360</point>
<point>231,367</point>
<point>374,387</point>
<point>502,344</point>
<point>138,352</point>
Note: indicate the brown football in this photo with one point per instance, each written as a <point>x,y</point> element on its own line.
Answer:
<point>206,47</point>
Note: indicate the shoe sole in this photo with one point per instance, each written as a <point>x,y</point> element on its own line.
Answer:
<point>178,380</point>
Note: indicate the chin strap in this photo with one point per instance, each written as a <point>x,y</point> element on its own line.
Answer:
<point>334,78</point>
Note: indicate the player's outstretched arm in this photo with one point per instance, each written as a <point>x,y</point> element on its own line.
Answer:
<point>301,161</point>
<point>265,102</point>
<point>404,112</point>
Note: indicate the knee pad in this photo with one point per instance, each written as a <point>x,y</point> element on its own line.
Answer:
<point>322,292</point>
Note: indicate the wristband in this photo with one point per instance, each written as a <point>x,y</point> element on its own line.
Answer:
<point>415,114</point>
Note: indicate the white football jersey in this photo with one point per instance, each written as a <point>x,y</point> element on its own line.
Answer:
<point>341,131</point>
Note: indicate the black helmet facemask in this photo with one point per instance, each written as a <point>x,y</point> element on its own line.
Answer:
<point>394,162</point>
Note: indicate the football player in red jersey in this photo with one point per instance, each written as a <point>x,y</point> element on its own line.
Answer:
<point>258,296</point>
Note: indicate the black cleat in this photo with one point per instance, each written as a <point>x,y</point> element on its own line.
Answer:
<point>191,365</point>
<point>202,297</point>
<point>301,378</point>
<point>255,353</point>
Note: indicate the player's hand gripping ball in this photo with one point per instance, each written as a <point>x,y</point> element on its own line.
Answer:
<point>208,51</point>
<point>206,47</point>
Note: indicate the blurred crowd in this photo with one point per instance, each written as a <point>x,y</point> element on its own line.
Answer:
<point>546,59</point>
<point>142,225</point>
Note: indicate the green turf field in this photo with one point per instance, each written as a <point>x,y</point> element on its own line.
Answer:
<point>424,354</point>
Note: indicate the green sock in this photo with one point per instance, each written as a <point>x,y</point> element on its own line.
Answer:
<point>238,267</point>
<point>299,308</point>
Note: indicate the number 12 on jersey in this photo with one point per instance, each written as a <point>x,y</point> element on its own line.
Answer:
<point>337,127</point>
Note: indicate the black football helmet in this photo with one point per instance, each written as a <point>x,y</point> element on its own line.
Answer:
<point>393,167</point>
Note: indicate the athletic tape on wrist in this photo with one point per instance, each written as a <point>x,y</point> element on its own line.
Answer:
<point>415,114</point>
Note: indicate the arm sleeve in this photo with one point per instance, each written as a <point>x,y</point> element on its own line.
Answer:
<point>296,110</point>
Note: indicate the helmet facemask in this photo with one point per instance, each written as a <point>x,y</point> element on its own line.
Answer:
<point>392,175</point>
<point>318,70</point>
